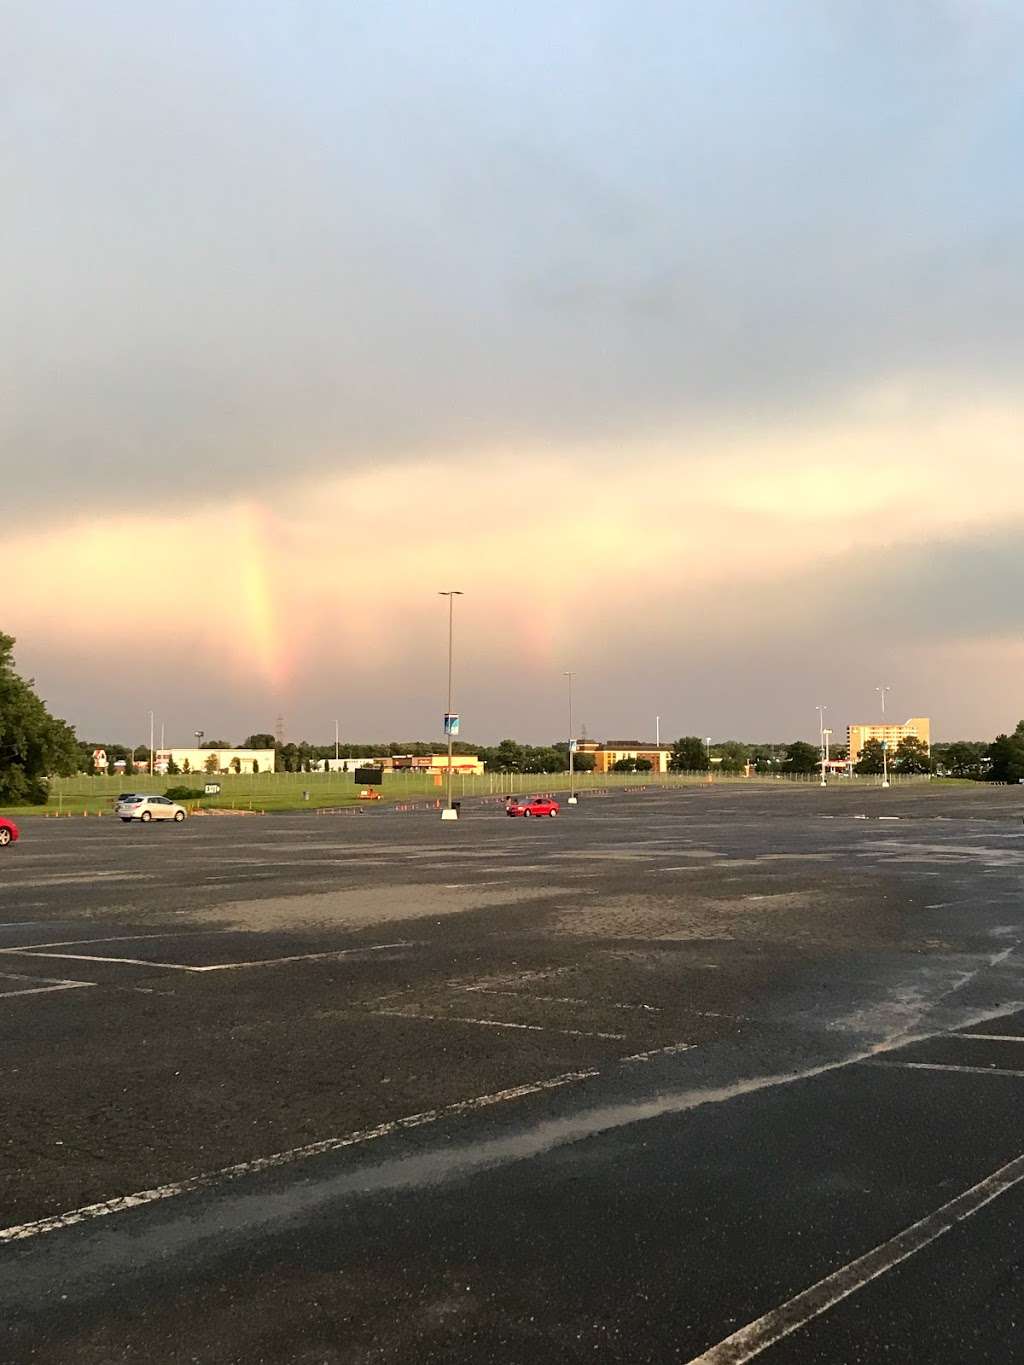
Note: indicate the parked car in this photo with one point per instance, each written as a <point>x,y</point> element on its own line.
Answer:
<point>146,808</point>
<point>8,831</point>
<point>536,805</point>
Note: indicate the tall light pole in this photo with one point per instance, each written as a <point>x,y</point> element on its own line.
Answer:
<point>449,812</point>
<point>151,737</point>
<point>821,740</point>
<point>572,788</point>
<point>337,741</point>
<point>657,732</point>
<point>708,743</point>
<point>885,743</point>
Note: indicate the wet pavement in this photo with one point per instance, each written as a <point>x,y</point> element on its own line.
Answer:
<point>624,1085</point>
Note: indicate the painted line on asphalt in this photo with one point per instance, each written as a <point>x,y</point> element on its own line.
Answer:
<point>946,1066</point>
<point>497,1023</point>
<point>669,1051</point>
<point>116,938</point>
<point>560,999</point>
<point>122,1203</point>
<point>991,1037</point>
<point>216,966</point>
<point>803,1308</point>
<point>34,988</point>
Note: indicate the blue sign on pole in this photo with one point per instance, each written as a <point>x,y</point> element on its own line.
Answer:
<point>451,723</point>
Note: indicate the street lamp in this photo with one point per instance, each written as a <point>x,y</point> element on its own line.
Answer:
<point>708,744</point>
<point>821,740</point>
<point>200,735</point>
<point>449,812</point>
<point>337,740</point>
<point>885,743</point>
<point>151,738</point>
<point>572,789</point>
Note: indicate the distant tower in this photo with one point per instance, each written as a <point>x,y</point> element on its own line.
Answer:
<point>583,731</point>
<point>279,731</point>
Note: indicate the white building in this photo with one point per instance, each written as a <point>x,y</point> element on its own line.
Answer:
<point>225,760</point>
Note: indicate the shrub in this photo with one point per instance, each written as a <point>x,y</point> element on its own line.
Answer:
<point>183,794</point>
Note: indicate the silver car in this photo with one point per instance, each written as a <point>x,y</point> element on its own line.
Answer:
<point>146,808</point>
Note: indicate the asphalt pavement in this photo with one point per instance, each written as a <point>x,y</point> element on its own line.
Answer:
<point>713,1074</point>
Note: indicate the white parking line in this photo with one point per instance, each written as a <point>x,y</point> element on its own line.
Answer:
<point>803,1308</point>
<point>560,999</point>
<point>216,966</point>
<point>496,1023</point>
<point>121,1203</point>
<point>944,1066</point>
<point>669,1051</point>
<point>990,1037</point>
<point>33,988</point>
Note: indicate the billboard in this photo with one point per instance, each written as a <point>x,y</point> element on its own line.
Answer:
<point>451,723</point>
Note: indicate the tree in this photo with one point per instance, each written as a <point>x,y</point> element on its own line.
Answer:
<point>172,768</point>
<point>216,744</point>
<point>186,766</point>
<point>734,756</point>
<point>212,764</point>
<point>255,765</point>
<point>236,764</point>
<point>509,757</point>
<point>871,760</point>
<point>801,757</point>
<point>643,765</point>
<point>912,756</point>
<point>584,763</point>
<point>963,758</point>
<point>624,765</point>
<point>688,755</point>
<point>261,741</point>
<point>1006,755</point>
<point>33,744</point>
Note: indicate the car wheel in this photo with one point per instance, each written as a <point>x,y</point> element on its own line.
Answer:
<point>146,815</point>
<point>528,814</point>
<point>179,815</point>
<point>5,837</point>
<point>126,819</point>
<point>552,813</point>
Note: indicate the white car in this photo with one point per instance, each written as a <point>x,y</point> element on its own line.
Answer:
<point>139,807</point>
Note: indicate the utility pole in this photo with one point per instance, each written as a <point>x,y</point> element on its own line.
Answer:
<point>885,743</point>
<point>572,789</point>
<point>150,746</point>
<point>821,741</point>
<point>337,741</point>
<point>450,813</point>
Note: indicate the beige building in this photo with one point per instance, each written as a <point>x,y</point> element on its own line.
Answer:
<point>614,750</point>
<point>225,760</point>
<point>468,764</point>
<point>918,727</point>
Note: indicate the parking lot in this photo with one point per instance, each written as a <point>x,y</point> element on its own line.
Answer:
<point>675,1076</point>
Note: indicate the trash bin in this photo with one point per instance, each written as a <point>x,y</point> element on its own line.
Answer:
<point>305,796</point>
<point>456,805</point>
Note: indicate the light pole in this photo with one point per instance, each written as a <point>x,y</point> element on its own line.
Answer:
<point>885,743</point>
<point>151,736</point>
<point>337,741</point>
<point>708,743</point>
<point>449,812</point>
<point>572,789</point>
<point>821,740</point>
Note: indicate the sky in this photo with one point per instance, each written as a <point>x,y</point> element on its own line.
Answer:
<point>684,340</point>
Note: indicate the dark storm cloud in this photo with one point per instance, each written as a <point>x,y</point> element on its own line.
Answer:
<point>248,240</point>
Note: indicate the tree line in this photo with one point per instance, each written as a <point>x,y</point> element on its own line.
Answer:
<point>35,745</point>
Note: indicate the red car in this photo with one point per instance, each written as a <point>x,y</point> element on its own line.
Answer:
<point>537,805</point>
<point>8,831</point>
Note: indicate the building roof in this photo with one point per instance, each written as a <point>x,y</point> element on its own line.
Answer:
<point>634,744</point>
